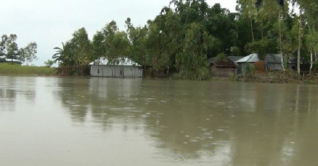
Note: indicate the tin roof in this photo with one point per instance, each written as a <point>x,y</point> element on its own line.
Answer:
<point>225,64</point>
<point>250,58</point>
<point>234,58</point>
<point>276,58</point>
<point>273,58</point>
<point>117,61</point>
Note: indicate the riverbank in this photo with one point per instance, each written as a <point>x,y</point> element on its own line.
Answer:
<point>12,69</point>
<point>282,77</point>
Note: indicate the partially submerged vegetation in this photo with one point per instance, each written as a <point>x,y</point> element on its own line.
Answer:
<point>15,69</point>
<point>282,77</point>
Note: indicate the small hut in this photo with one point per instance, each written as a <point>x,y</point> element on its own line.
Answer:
<point>226,68</point>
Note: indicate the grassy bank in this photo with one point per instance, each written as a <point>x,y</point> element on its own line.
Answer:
<point>12,69</point>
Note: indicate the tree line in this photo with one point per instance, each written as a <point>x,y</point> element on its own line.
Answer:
<point>10,52</point>
<point>186,33</point>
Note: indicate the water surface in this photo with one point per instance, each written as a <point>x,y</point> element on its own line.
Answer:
<point>100,121</point>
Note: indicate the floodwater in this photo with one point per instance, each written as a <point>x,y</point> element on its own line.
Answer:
<point>49,121</point>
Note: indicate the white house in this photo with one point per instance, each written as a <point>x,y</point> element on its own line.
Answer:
<point>119,68</point>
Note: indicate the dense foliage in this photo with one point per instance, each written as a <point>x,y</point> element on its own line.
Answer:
<point>187,32</point>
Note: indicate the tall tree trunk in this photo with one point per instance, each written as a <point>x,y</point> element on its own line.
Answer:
<point>299,43</point>
<point>311,61</point>
<point>280,41</point>
<point>252,31</point>
<point>262,30</point>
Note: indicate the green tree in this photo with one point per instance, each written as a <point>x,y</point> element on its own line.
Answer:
<point>116,42</point>
<point>28,54</point>
<point>49,63</point>
<point>11,48</point>
<point>247,10</point>
<point>193,59</point>
<point>98,45</point>
<point>138,37</point>
<point>81,47</point>
<point>75,53</point>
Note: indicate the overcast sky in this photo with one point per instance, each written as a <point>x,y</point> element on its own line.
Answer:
<point>51,22</point>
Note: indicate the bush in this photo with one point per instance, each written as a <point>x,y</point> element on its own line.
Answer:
<point>250,69</point>
<point>176,76</point>
<point>235,51</point>
<point>315,67</point>
<point>221,57</point>
<point>201,74</point>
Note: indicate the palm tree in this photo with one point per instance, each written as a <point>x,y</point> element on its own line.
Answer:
<point>59,55</point>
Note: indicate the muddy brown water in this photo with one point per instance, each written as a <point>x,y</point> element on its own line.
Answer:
<point>49,121</point>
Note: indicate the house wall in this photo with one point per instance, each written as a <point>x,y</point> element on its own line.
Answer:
<point>116,71</point>
<point>132,71</point>
<point>242,68</point>
<point>272,66</point>
<point>278,66</point>
<point>215,71</point>
<point>275,66</point>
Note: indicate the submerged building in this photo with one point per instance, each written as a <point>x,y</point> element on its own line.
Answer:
<point>117,68</point>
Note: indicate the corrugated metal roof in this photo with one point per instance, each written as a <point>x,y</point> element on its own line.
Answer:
<point>118,61</point>
<point>250,58</point>
<point>225,64</point>
<point>234,58</point>
<point>276,58</point>
<point>273,58</point>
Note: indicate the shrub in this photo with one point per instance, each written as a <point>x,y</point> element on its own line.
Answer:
<point>221,57</point>
<point>250,69</point>
<point>201,74</point>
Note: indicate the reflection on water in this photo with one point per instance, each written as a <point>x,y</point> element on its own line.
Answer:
<point>147,122</point>
<point>9,91</point>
